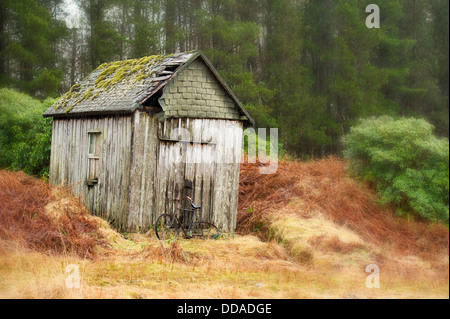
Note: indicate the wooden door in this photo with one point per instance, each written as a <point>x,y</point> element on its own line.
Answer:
<point>180,162</point>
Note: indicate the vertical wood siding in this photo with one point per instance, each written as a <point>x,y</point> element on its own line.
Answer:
<point>140,169</point>
<point>142,208</point>
<point>69,163</point>
<point>161,166</point>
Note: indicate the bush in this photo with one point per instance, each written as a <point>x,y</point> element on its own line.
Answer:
<point>25,136</point>
<point>407,164</point>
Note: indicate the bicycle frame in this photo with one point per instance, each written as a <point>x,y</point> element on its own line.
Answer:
<point>186,219</point>
<point>186,227</point>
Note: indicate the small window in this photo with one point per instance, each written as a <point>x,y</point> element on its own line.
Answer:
<point>94,155</point>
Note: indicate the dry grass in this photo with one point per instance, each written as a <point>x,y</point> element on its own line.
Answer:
<point>32,275</point>
<point>310,233</point>
<point>322,186</point>
<point>62,228</point>
<point>239,267</point>
<point>304,238</point>
<point>324,218</point>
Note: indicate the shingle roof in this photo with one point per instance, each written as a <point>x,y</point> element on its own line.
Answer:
<point>121,87</point>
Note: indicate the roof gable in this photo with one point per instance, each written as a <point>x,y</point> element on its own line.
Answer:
<point>122,87</point>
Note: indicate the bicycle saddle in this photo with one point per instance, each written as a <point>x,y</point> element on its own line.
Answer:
<point>195,206</point>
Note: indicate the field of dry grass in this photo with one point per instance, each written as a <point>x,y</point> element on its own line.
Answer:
<point>306,232</point>
<point>239,267</point>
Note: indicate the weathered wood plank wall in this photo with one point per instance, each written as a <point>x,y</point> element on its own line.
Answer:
<point>69,163</point>
<point>160,167</point>
<point>142,166</point>
<point>145,144</point>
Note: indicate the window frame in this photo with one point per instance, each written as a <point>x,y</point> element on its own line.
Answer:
<point>94,151</point>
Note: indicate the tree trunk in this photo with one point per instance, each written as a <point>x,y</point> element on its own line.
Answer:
<point>2,38</point>
<point>170,26</point>
<point>73,56</point>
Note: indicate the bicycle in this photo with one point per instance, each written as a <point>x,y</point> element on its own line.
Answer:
<point>168,226</point>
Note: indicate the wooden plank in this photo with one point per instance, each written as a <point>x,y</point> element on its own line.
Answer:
<point>208,173</point>
<point>95,190</point>
<point>208,169</point>
<point>197,163</point>
<point>170,174</point>
<point>102,186</point>
<point>164,178</point>
<point>77,159</point>
<point>144,170</point>
<point>120,172</point>
<point>57,163</point>
<point>238,136</point>
<point>126,165</point>
<point>123,168</point>
<point>150,166</point>
<point>61,153</point>
<point>53,155</point>
<point>114,172</point>
<point>107,166</point>
<point>136,171</point>
<point>218,211</point>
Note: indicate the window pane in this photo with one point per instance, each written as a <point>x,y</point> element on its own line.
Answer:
<point>92,143</point>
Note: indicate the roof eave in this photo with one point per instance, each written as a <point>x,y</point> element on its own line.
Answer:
<point>91,113</point>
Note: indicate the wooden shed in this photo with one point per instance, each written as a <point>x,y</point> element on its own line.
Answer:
<point>135,134</point>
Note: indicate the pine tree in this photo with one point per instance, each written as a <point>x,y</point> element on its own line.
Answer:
<point>29,36</point>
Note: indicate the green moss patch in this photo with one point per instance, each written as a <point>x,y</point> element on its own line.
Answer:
<point>110,74</point>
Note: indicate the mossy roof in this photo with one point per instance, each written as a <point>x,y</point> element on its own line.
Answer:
<point>119,87</point>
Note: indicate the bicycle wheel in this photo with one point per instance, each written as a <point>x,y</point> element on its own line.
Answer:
<point>204,230</point>
<point>166,227</point>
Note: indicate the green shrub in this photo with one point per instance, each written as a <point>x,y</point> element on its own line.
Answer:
<point>407,164</point>
<point>25,136</point>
